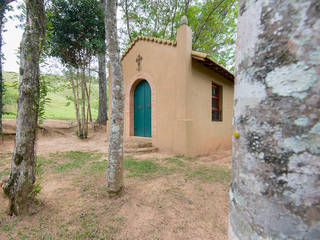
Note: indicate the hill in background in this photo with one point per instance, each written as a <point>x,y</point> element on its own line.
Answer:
<point>61,104</point>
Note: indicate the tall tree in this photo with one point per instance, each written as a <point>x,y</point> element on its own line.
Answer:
<point>115,162</point>
<point>3,8</point>
<point>19,187</point>
<point>76,35</point>
<point>275,187</point>
<point>213,23</point>
<point>102,113</point>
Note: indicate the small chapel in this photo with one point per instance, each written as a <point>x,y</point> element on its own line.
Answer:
<point>178,99</point>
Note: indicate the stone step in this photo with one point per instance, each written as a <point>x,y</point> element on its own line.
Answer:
<point>138,144</point>
<point>141,150</point>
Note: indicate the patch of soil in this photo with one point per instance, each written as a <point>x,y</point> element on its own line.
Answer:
<point>58,136</point>
<point>168,207</point>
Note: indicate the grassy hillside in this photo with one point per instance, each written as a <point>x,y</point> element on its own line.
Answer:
<point>60,106</point>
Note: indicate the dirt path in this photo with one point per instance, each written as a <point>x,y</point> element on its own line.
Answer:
<point>58,136</point>
<point>182,199</point>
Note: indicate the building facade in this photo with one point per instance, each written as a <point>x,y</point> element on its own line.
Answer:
<point>179,99</point>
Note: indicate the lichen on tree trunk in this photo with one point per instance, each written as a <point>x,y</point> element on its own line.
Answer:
<point>19,187</point>
<point>115,160</point>
<point>275,187</point>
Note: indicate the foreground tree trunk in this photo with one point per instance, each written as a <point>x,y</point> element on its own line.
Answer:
<point>102,114</point>
<point>275,187</point>
<point>115,166</point>
<point>19,187</point>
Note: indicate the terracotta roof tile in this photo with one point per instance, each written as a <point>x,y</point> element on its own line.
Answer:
<point>210,63</point>
<point>152,39</point>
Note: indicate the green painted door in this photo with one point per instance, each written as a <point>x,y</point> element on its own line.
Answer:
<point>142,110</point>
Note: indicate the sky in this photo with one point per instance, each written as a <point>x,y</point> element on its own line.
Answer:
<point>12,37</point>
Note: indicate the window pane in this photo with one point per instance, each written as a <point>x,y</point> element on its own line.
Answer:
<point>215,115</point>
<point>215,103</point>
<point>215,91</point>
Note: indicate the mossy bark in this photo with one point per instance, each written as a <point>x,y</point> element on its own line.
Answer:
<point>275,187</point>
<point>19,187</point>
<point>115,161</point>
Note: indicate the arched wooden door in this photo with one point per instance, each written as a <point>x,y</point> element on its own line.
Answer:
<point>142,110</point>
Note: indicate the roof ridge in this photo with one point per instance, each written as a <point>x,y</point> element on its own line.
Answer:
<point>151,39</point>
<point>211,63</point>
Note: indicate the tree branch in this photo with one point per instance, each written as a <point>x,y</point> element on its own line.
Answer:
<point>127,20</point>
<point>197,34</point>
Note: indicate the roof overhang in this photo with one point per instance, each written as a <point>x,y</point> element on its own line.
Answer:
<point>210,63</point>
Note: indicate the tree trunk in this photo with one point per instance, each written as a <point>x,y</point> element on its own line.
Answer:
<point>115,166</point>
<point>275,187</point>
<point>127,19</point>
<point>2,12</point>
<point>102,114</point>
<point>19,187</point>
<point>84,122</point>
<point>76,99</point>
<point>88,93</point>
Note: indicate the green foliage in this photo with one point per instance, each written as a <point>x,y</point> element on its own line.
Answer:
<point>43,99</point>
<point>213,23</point>
<point>217,36</point>
<point>75,30</point>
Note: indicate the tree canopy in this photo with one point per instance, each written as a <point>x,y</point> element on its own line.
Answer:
<point>75,30</point>
<point>213,23</point>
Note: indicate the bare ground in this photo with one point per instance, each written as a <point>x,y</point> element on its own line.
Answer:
<point>180,198</point>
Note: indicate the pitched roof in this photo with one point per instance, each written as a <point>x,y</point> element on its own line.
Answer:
<point>210,63</point>
<point>149,39</point>
<point>202,57</point>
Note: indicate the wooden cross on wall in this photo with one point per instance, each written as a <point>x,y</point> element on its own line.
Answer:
<point>138,61</point>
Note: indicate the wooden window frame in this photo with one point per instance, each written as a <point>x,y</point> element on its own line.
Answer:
<point>218,106</point>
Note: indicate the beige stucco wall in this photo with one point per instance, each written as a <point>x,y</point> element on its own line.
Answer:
<point>181,97</point>
<point>208,136</point>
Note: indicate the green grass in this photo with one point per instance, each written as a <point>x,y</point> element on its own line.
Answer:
<point>176,161</point>
<point>5,172</point>
<point>98,166</point>
<point>73,159</point>
<point>5,159</point>
<point>144,168</point>
<point>215,174</point>
<point>61,105</point>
